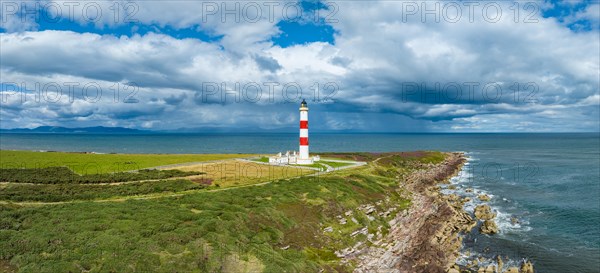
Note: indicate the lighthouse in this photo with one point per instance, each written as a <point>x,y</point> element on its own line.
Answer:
<point>303,157</point>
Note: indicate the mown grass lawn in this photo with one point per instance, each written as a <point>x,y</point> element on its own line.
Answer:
<point>101,163</point>
<point>336,164</point>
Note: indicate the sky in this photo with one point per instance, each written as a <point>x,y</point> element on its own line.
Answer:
<point>362,66</point>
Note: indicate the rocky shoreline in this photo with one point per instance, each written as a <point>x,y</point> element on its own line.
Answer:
<point>428,237</point>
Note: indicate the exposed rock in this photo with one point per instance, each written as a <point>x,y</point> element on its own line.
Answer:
<point>484,212</point>
<point>328,229</point>
<point>452,197</point>
<point>490,269</point>
<point>345,252</point>
<point>484,197</point>
<point>424,238</point>
<point>473,264</point>
<point>469,190</point>
<point>488,227</point>
<point>360,231</point>
<point>367,209</point>
<point>514,220</point>
<point>487,269</point>
<point>427,237</point>
<point>452,187</point>
<point>526,267</point>
<point>500,264</point>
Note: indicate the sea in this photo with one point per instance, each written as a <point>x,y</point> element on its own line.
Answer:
<point>545,188</point>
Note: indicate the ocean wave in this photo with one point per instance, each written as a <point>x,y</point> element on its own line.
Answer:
<point>506,225</point>
<point>489,259</point>
<point>461,186</point>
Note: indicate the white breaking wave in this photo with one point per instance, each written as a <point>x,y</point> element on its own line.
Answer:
<point>460,185</point>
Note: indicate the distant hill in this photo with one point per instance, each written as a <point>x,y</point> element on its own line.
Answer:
<point>83,130</point>
<point>237,129</point>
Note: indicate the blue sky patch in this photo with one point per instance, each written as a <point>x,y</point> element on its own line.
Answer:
<point>297,33</point>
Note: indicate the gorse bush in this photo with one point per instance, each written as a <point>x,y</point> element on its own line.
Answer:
<point>58,175</point>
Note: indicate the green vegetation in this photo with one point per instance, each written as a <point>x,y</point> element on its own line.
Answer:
<point>83,163</point>
<point>262,159</point>
<point>316,166</point>
<point>56,175</point>
<point>401,157</point>
<point>275,227</point>
<point>67,192</point>
<point>336,164</point>
<point>234,173</point>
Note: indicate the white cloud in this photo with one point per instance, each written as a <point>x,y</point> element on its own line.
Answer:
<point>375,52</point>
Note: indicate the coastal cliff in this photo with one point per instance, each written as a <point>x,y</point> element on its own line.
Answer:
<point>427,237</point>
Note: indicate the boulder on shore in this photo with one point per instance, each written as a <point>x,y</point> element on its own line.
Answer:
<point>488,227</point>
<point>484,197</point>
<point>488,269</point>
<point>484,212</point>
<point>526,267</point>
<point>500,264</point>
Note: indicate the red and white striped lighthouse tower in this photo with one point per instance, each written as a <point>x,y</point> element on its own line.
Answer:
<point>304,158</point>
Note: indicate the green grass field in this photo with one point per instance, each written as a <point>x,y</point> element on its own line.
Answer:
<point>275,227</point>
<point>335,164</point>
<point>262,159</point>
<point>101,163</point>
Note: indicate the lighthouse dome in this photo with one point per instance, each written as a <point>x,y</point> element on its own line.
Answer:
<point>303,103</point>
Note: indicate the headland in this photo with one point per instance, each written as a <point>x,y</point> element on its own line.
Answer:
<point>358,212</point>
